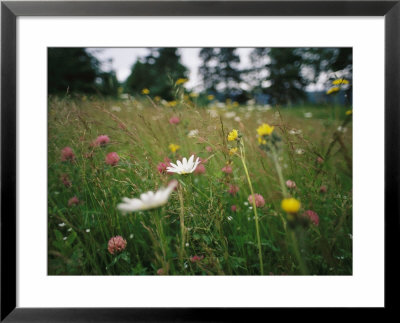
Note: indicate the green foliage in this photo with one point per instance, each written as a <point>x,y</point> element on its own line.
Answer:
<point>75,70</point>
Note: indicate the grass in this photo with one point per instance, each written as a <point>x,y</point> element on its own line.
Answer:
<point>198,219</point>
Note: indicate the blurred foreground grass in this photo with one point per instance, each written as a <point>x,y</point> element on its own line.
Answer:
<point>224,240</point>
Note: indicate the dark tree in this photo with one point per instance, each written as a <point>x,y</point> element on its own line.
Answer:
<point>71,69</point>
<point>74,70</point>
<point>157,72</point>
<point>220,72</point>
<point>284,73</point>
<point>287,84</point>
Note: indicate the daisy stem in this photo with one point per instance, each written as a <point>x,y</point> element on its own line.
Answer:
<point>182,223</point>
<point>163,244</point>
<point>243,159</point>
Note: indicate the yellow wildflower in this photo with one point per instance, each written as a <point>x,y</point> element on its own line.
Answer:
<point>265,130</point>
<point>210,97</point>
<point>181,81</point>
<point>232,151</point>
<point>340,82</point>
<point>145,91</point>
<point>349,112</point>
<point>235,104</point>
<point>262,141</point>
<point>333,90</point>
<point>172,103</point>
<point>290,205</point>
<point>173,147</point>
<point>157,98</point>
<point>194,95</point>
<point>233,135</point>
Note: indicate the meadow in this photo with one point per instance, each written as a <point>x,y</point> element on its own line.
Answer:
<point>299,169</point>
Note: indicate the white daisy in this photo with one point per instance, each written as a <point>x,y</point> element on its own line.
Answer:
<point>230,114</point>
<point>213,113</point>
<point>184,167</point>
<point>193,133</point>
<point>308,115</point>
<point>148,200</point>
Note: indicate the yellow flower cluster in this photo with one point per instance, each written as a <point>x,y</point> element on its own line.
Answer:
<point>172,103</point>
<point>232,151</point>
<point>290,205</point>
<point>173,147</point>
<point>265,130</point>
<point>340,82</point>
<point>145,91</point>
<point>261,141</point>
<point>349,112</point>
<point>181,81</point>
<point>233,135</point>
<point>210,97</point>
<point>333,90</point>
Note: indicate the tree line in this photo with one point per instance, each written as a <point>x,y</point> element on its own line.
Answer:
<point>282,74</point>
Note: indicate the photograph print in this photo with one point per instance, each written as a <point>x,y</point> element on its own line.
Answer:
<point>199,161</point>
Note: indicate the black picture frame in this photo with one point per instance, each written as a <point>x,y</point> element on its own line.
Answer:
<point>11,10</point>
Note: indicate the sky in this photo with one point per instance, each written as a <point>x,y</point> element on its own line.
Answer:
<point>124,58</point>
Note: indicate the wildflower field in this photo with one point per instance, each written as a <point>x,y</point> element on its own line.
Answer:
<point>268,190</point>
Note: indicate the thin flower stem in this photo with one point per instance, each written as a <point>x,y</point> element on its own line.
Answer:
<point>279,171</point>
<point>281,180</point>
<point>302,265</point>
<point>182,223</point>
<point>163,243</point>
<point>243,159</point>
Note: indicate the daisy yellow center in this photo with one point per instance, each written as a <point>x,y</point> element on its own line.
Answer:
<point>233,135</point>
<point>265,129</point>
<point>145,91</point>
